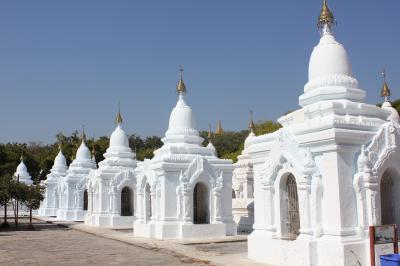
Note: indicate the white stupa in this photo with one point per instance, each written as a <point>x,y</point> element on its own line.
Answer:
<point>243,187</point>
<point>330,171</point>
<point>185,190</point>
<point>50,205</point>
<point>111,187</point>
<point>72,190</point>
<point>22,173</point>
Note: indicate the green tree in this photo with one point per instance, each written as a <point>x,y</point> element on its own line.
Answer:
<point>136,143</point>
<point>5,195</point>
<point>266,127</point>
<point>34,194</point>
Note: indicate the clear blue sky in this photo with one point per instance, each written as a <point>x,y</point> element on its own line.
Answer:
<point>68,63</point>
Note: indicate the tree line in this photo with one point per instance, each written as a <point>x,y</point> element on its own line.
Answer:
<point>39,157</point>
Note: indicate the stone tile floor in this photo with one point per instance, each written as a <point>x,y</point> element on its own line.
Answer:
<point>50,244</point>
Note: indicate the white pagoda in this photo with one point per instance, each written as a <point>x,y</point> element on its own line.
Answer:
<point>49,206</point>
<point>331,171</point>
<point>185,191</point>
<point>73,195</point>
<point>111,187</point>
<point>22,174</point>
<point>243,189</point>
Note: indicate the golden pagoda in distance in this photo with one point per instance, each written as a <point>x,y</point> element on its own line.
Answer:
<point>219,131</point>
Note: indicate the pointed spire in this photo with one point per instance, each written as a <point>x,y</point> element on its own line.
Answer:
<point>118,118</point>
<point>219,131</point>
<point>252,127</point>
<point>93,147</point>
<point>326,18</point>
<point>385,91</point>
<point>180,87</point>
<point>59,145</point>
<point>94,151</point>
<point>83,136</point>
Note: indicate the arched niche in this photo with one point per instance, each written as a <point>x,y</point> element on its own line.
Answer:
<point>126,202</point>
<point>390,197</point>
<point>85,200</point>
<point>289,207</point>
<point>201,204</point>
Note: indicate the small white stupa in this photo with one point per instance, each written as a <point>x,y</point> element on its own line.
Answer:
<point>50,205</point>
<point>72,190</point>
<point>185,190</point>
<point>243,187</point>
<point>22,174</point>
<point>111,187</point>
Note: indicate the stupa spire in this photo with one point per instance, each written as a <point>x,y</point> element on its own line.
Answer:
<point>118,118</point>
<point>385,91</point>
<point>326,20</point>
<point>209,136</point>
<point>219,129</point>
<point>83,135</point>
<point>252,127</point>
<point>93,150</point>
<point>181,87</point>
<point>59,145</point>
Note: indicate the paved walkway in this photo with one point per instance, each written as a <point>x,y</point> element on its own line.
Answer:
<point>230,251</point>
<point>62,243</point>
<point>51,244</point>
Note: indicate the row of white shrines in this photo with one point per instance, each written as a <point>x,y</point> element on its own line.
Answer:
<point>320,181</point>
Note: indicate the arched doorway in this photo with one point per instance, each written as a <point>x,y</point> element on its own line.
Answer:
<point>126,202</point>
<point>293,215</point>
<point>201,210</point>
<point>85,200</point>
<point>390,196</point>
<point>147,195</point>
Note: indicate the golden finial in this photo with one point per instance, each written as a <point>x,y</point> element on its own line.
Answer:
<point>209,132</point>
<point>385,92</point>
<point>252,127</point>
<point>181,88</point>
<point>118,118</point>
<point>219,131</point>
<point>83,136</point>
<point>93,148</point>
<point>326,17</point>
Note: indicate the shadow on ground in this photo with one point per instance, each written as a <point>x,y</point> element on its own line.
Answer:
<point>23,225</point>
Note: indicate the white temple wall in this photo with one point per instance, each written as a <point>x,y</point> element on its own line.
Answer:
<point>104,201</point>
<point>168,197</point>
<point>70,196</point>
<point>262,206</point>
<point>337,171</point>
<point>226,198</point>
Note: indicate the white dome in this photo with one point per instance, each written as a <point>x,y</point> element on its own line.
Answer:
<point>83,152</point>
<point>21,168</point>
<point>329,58</point>
<point>394,115</point>
<point>22,173</point>
<point>329,74</point>
<point>119,138</point>
<point>181,119</point>
<point>60,160</point>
